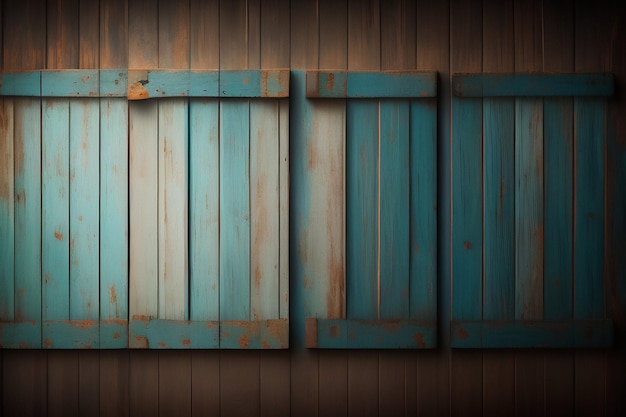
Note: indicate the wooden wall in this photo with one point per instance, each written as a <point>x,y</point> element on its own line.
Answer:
<point>459,35</point>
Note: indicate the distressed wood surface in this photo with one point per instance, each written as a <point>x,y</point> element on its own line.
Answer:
<point>341,84</point>
<point>7,212</point>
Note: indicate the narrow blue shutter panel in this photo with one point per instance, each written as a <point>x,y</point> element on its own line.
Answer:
<point>391,210</point>
<point>528,210</point>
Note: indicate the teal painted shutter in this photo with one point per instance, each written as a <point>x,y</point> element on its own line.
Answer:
<point>390,211</point>
<point>528,183</point>
<point>202,261</point>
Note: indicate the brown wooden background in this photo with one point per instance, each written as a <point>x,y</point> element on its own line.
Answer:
<point>447,36</point>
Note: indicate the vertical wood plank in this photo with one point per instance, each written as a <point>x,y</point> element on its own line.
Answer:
<point>24,379</point>
<point>204,36</point>
<point>204,209</point>
<point>529,208</point>
<point>253,33</point>
<point>333,384</point>
<point>363,35</point>
<point>114,36</point>
<point>392,377</point>
<point>398,35</point>
<point>558,165</point>
<point>363,388</point>
<point>234,210</point>
<point>559,383</point>
<point>55,209</point>
<point>172,209</point>
<point>205,383</point>
<point>239,383</point>
<point>333,36</point>
<point>528,35</point>
<point>143,383</point>
<point>233,34</point>
<point>114,383</point>
<point>394,209</point>
<point>498,383</point>
<point>62,34</point>
<point>284,191</point>
<point>274,36</point>
<point>88,383</point>
<point>88,36</point>
<point>63,383</point>
<point>28,210</point>
<point>529,384</point>
<point>143,201</point>
<point>304,35</point>
<point>114,180</point>
<point>142,34</point>
<point>174,383</point>
<point>362,209</point>
<point>84,178</point>
<point>274,383</point>
<point>24,49</point>
<point>466,383</point>
<point>589,208</point>
<point>264,200</point>
<point>173,30</point>
<point>7,211</point>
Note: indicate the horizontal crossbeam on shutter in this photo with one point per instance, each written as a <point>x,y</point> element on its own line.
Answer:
<point>342,84</point>
<point>533,85</point>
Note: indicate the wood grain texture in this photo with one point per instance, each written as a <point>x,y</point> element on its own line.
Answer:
<point>398,35</point>
<point>143,383</point>
<point>24,49</point>
<point>173,35</point>
<point>173,163</point>
<point>114,38</point>
<point>392,380</point>
<point>174,383</point>
<point>114,383</point>
<point>7,211</point>
<point>559,383</point>
<point>333,383</point>
<point>205,386</point>
<point>62,26</point>
<point>63,383</point>
<point>498,384</point>
<point>239,383</point>
<point>25,382</point>
<point>233,34</point>
<point>466,384</point>
<point>274,36</point>
<point>88,34</point>
<point>363,384</point>
<point>529,384</point>
<point>204,37</point>
<point>88,382</point>
<point>304,35</point>
<point>142,34</point>
<point>284,213</point>
<point>274,383</point>
<point>333,34</point>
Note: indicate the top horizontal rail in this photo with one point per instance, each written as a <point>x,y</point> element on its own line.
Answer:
<point>533,85</point>
<point>386,84</point>
<point>145,84</point>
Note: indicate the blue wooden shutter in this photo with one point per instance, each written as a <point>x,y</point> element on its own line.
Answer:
<point>391,214</point>
<point>528,210</point>
<point>206,185</point>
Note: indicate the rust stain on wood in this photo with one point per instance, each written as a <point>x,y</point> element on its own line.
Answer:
<point>467,245</point>
<point>419,340</point>
<point>264,344</point>
<point>142,342</point>
<point>83,324</point>
<point>112,295</point>
<point>58,236</point>
<point>48,342</point>
<point>334,332</point>
<point>186,342</point>
<point>25,345</point>
<point>137,91</point>
<point>462,333</point>
<point>311,333</point>
<point>330,84</point>
<point>244,341</point>
<point>163,345</point>
<point>116,335</point>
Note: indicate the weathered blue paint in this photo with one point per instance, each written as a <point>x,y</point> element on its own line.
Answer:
<point>371,334</point>
<point>499,209</point>
<point>20,335</point>
<point>204,209</point>
<point>531,334</point>
<point>362,209</point>
<point>589,209</point>
<point>394,209</point>
<point>234,210</point>
<point>55,211</point>
<point>84,237</point>
<point>173,334</point>
<point>341,84</point>
<point>7,211</point>
<point>75,334</point>
<point>167,84</point>
<point>424,210</point>
<point>529,220</point>
<point>28,222</point>
<point>261,334</point>
<point>467,230</point>
<point>254,83</point>
<point>113,333</point>
<point>558,176</point>
<point>70,83</point>
<point>204,84</point>
<point>113,220</point>
<point>25,84</point>
<point>528,85</point>
<point>113,83</point>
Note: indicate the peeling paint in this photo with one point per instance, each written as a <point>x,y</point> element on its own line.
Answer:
<point>58,236</point>
<point>137,91</point>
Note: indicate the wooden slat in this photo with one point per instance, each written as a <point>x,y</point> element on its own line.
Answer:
<point>254,334</point>
<point>27,83</point>
<point>62,26</point>
<point>529,384</point>
<point>234,211</point>
<point>254,83</point>
<point>394,200</point>
<point>84,173</point>
<point>143,383</point>
<point>274,34</point>
<point>88,34</point>
<point>175,383</point>
<point>559,380</point>
<point>333,35</point>
<point>533,85</point>
<point>398,35</point>
<point>233,35</point>
<point>113,83</point>
<point>589,208</point>
<point>559,150</point>
<point>239,384</point>
<point>172,209</point>
<point>341,84</point>
<point>143,51</point>
<point>274,380</point>
<point>424,210</point>
<point>55,210</point>
<point>205,383</point>
<point>70,83</point>
<point>362,209</point>
<point>62,375</point>
<point>7,212</point>
<point>26,395</point>
<point>253,33</point>
<point>173,334</point>
<point>333,383</point>
<point>143,191</point>
<point>531,334</point>
<point>114,383</point>
<point>363,384</point>
<point>265,220</point>
<point>283,155</point>
<point>88,382</point>
<point>113,222</point>
<point>24,49</point>
<point>498,383</point>
<point>114,36</point>
<point>529,221</point>
<point>392,384</point>
<point>173,37</point>
<point>370,334</point>
<point>204,210</point>
<point>304,36</point>
<point>204,34</point>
